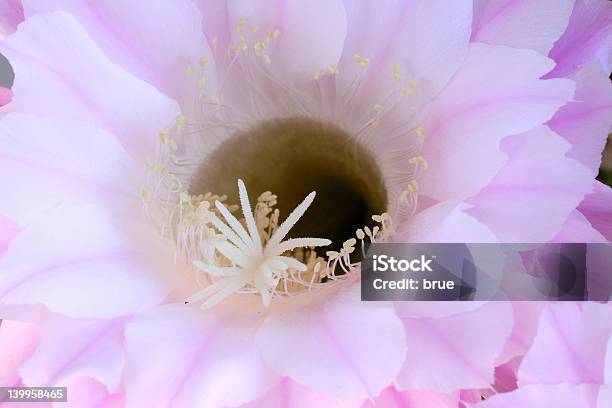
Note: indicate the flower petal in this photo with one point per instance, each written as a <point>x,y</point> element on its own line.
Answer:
<point>596,207</point>
<point>79,82</point>
<point>96,351</point>
<point>537,396</point>
<point>49,161</point>
<point>447,221</point>
<point>11,14</point>
<point>17,341</point>
<point>363,344</point>
<point>289,394</point>
<point>578,229</point>
<point>585,121</point>
<point>429,39</point>
<point>155,40</point>
<point>451,353</point>
<point>311,33</point>
<point>535,25</point>
<point>76,260</point>
<point>85,392</point>
<point>8,231</point>
<point>480,107</point>
<point>526,318</point>
<point>392,398</point>
<point>213,358</point>
<point>586,40</point>
<point>570,345</point>
<point>538,186</point>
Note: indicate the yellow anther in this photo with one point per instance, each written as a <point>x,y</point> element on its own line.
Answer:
<point>349,243</point>
<point>420,131</point>
<point>163,138</point>
<point>396,72</point>
<point>362,61</point>
<point>332,255</point>
<point>189,70</point>
<point>276,33</point>
<point>184,197</point>
<point>255,28</point>
<point>419,161</point>
<point>407,91</point>
<point>159,168</point>
<point>377,107</point>
<point>203,63</point>
<point>413,187</point>
<point>181,120</point>
<point>317,74</point>
<point>145,194</point>
<point>202,82</point>
<point>360,234</point>
<point>333,70</point>
<point>241,22</point>
<point>215,40</point>
<point>177,183</point>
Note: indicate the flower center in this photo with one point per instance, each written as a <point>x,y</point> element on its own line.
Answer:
<point>292,157</point>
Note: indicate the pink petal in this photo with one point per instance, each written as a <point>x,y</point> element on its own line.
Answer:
<point>570,345</point>
<point>586,40</point>
<point>538,396</point>
<point>597,208</point>
<point>434,309</point>
<point>155,40</point>
<point>608,363</point>
<point>444,222</point>
<point>84,392</point>
<point>604,399</point>
<point>79,261</point>
<point>6,95</point>
<point>11,14</point>
<point>395,31</point>
<point>8,231</point>
<point>182,356</point>
<point>363,344</point>
<point>535,25</point>
<point>289,394</point>
<point>585,122</point>
<point>311,33</point>
<point>57,161</point>
<point>455,352</point>
<point>532,195</point>
<point>526,319</point>
<point>79,82</point>
<point>71,348</point>
<point>480,107</point>
<point>17,342</point>
<point>577,228</point>
<point>392,398</point>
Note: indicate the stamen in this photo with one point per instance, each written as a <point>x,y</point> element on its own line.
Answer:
<point>248,253</point>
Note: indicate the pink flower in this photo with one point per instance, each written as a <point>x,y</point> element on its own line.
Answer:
<point>412,121</point>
